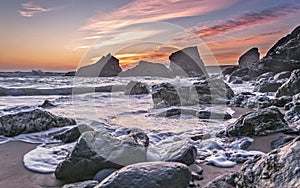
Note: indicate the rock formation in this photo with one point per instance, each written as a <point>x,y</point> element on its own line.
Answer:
<point>107,66</point>
<point>249,57</point>
<point>31,121</point>
<point>187,62</point>
<point>145,68</point>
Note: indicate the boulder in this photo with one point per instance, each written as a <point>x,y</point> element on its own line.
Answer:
<point>149,175</point>
<point>279,168</point>
<point>99,150</point>
<point>281,101</point>
<point>282,75</point>
<point>292,86</point>
<point>213,115</point>
<point>84,184</point>
<point>187,62</point>
<point>107,66</point>
<point>258,123</point>
<point>230,69</point>
<point>165,95</point>
<point>73,134</point>
<point>249,57</point>
<point>145,68</point>
<point>136,88</point>
<point>249,100</point>
<point>267,86</point>
<point>209,91</point>
<point>178,151</point>
<point>293,115</point>
<point>284,55</point>
<point>31,121</point>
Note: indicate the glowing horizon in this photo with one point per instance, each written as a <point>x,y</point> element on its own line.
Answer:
<point>55,35</point>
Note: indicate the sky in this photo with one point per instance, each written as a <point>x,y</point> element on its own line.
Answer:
<point>61,35</point>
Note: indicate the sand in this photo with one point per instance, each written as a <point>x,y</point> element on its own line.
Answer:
<point>14,175</point>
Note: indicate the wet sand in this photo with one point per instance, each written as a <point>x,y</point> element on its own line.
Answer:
<point>13,174</point>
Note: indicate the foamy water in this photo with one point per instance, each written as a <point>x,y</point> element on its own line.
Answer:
<point>108,111</point>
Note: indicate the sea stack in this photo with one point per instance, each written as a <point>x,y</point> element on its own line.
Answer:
<point>249,57</point>
<point>107,66</point>
<point>187,62</point>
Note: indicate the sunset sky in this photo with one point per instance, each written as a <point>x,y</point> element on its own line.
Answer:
<point>56,35</point>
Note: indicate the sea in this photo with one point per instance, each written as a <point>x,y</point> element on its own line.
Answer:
<point>107,111</point>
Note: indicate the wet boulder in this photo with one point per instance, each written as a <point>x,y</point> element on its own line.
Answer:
<point>73,134</point>
<point>279,168</point>
<point>150,174</point>
<point>258,123</point>
<point>99,150</point>
<point>136,88</point>
<point>293,115</point>
<point>31,121</point>
<point>291,87</point>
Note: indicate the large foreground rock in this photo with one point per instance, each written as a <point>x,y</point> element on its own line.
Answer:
<point>249,57</point>
<point>107,66</point>
<point>150,175</point>
<point>279,168</point>
<point>291,87</point>
<point>31,121</point>
<point>187,62</point>
<point>145,68</point>
<point>259,123</point>
<point>97,150</point>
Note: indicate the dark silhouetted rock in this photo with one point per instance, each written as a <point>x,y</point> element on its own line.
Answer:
<point>187,62</point>
<point>291,87</point>
<point>229,70</point>
<point>136,88</point>
<point>73,134</point>
<point>281,101</point>
<point>46,104</point>
<point>145,68</point>
<point>149,175</point>
<point>249,57</point>
<point>213,115</point>
<point>31,121</point>
<point>71,73</point>
<point>259,123</point>
<point>98,150</point>
<point>107,66</point>
<point>284,55</point>
<point>84,184</point>
<point>279,168</point>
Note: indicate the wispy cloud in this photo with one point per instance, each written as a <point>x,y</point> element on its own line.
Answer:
<point>30,9</point>
<point>246,20</point>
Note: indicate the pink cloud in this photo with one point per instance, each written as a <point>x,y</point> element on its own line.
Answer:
<point>246,20</point>
<point>30,9</point>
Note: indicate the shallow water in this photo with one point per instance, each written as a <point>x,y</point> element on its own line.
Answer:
<point>108,111</point>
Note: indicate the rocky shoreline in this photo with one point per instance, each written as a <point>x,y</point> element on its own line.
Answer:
<point>132,157</point>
